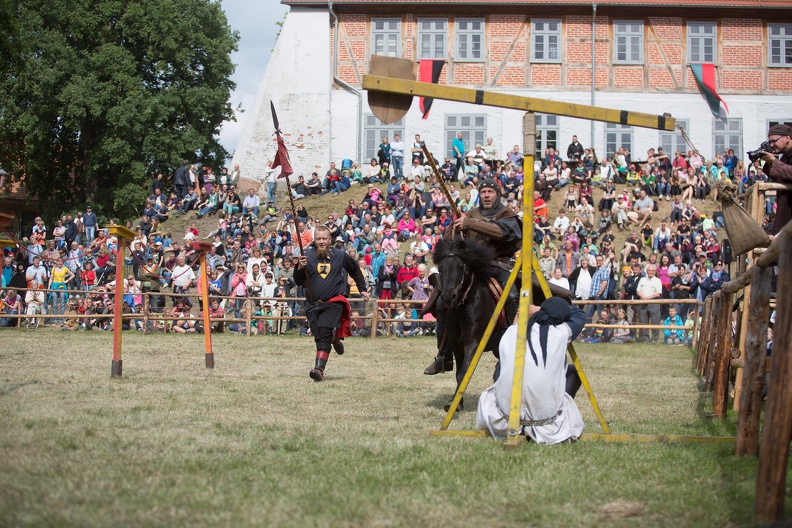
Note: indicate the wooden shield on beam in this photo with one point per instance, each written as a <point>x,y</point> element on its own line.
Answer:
<point>390,107</point>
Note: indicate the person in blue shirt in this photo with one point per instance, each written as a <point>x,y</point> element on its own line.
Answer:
<point>458,146</point>
<point>673,337</point>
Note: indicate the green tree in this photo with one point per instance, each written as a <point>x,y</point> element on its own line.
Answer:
<point>98,95</point>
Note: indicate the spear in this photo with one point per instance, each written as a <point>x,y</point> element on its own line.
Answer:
<point>282,160</point>
<point>440,180</point>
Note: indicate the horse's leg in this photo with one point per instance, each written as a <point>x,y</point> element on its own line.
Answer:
<point>444,361</point>
<point>458,349</point>
<point>573,381</point>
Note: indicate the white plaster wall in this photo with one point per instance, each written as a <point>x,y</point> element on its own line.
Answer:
<point>297,80</point>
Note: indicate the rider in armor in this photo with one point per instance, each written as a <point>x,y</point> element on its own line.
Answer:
<point>498,227</point>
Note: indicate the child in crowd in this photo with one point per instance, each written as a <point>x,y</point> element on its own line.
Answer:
<point>673,337</point>
<point>621,335</point>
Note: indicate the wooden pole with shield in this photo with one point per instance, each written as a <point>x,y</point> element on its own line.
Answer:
<point>123,235</point>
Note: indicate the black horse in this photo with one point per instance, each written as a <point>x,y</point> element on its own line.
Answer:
<point>467,304</point>
<point>465,268</point>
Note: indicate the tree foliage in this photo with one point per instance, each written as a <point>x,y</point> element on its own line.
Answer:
<point>96,95</point>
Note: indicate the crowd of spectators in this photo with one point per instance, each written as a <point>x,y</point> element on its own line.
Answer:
<point>395,214</point>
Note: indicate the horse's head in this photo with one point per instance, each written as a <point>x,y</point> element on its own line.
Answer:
<point>459,261</point>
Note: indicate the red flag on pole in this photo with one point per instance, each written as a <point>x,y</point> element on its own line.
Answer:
<point>429,71</point>
<point>705,78</point>
<point>282,159</point>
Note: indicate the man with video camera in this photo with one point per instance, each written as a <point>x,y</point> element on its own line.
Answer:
<point>779,138</point>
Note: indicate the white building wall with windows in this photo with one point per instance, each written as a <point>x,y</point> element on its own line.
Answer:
<point>321,122</point>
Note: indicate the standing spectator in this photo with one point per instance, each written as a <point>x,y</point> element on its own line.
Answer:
<point>272,183</point>
<point>575,150</point>
<point>89,222</point>
<point>181,180</point>
<point>649,288</point>
<point>397,156</point>
<point>416,150</point>
<point>37,272</point>
<point>458,147</point>
<point>183,278</point>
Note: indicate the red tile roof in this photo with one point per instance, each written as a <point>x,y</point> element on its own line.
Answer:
<point>754,4</point>
<point>17,190</point>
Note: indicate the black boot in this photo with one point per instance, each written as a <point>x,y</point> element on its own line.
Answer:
<point>440,365</point>
<point>317,373</point>
<point>338,346</point>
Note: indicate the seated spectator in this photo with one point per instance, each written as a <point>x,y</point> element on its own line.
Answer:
<point>642,209</point>
<point>621,335</point>
<point>673,337</point>
<point>561,223</point>
<point>251,204</point>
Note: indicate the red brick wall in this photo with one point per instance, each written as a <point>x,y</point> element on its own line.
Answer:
<point>545,75</point>
<point>628,76</point>
<point>779,79</point>
<point>740,59</point>
<point>470,74</point>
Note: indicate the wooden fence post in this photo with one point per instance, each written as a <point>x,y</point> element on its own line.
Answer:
<point>374,318</point>
<point>777,430</point>
<point>754,365</point>
<point>704,338</point>
<point>723,338</point>
<point>145,313</point>
<point>712,342</point>
<point>248,307</point>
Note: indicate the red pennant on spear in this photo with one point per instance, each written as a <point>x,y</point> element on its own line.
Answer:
<point>282,160</point>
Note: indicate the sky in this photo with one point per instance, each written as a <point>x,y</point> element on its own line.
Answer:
<point>256,22</point>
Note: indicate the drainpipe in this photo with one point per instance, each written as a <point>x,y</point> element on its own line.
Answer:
<point>346,87</point>
<point>593,61</point>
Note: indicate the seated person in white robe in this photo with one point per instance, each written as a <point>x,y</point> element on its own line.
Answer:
<point>548,413</point>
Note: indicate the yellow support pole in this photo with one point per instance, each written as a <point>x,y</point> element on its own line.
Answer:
<point>526,290</point>
<point>517,102</point>
<point>575,359</point>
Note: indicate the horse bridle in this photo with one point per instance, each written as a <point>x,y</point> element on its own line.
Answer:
<point>462,281</point>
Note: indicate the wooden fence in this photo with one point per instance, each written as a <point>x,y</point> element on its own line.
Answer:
<point>716,355</point>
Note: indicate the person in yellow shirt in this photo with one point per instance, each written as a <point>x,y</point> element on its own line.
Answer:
<point>60,277</point>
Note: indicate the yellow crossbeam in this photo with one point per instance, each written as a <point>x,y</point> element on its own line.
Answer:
<point>516,102</point>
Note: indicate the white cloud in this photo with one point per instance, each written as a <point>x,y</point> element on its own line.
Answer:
<point>256,22</point>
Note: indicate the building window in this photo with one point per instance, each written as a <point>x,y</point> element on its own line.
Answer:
<point>701,38</point>
<point>546,40</point>
<point>374,130</point>
<point>546,134</point>
<point>432,37</point>
<point>782,121</point>
<point>386,37</point>
<point>473,128</point>
<point>629,38</point>
<point>469,39</point>
<point>727,134</point>
<point>617,136</point>
<point>780,44</point>
<point>674,141</point>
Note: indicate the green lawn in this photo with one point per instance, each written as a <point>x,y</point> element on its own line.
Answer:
<point>256,442</point>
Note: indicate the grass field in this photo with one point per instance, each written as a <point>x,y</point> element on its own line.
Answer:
<point>256,442</point>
